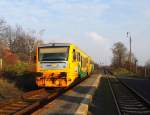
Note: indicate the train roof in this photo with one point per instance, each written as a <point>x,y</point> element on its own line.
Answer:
<point>55,44</point>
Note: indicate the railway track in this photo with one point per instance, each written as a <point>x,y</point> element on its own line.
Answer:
<point>32,101</point>
<point>128,101</point>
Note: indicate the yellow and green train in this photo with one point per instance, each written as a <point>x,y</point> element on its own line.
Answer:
<point>61,64</point>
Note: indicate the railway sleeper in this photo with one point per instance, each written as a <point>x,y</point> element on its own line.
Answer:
<point>135,108</point>
<point>129,101</point>
<point>126,112</point>
<point>131,105</point>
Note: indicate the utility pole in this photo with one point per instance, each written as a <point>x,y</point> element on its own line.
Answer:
<point>130,53</point>
<point>136,65</point>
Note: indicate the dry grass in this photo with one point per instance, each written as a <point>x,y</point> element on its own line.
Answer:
<point>8,90</point>
<point>123,72</point>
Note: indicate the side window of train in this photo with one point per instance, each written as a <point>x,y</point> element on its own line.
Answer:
<point>86,62</point>
<point>78,56</point>
<point>74,55</point>
<point>81,60</point>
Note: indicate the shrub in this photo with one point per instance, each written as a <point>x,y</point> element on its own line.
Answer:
<point>8,90</point>
<point>20,75</point>
<point>9,57</point>
<point>19,67</point>
<point>122,72</point>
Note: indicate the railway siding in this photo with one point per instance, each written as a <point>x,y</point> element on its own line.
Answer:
<point>127,100</point>
<point>141,86</point>
<point>74,101</point>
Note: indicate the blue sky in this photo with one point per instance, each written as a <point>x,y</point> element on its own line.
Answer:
<point>93,25</point>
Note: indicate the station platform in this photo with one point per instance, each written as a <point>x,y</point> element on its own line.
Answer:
<point>75,101</point>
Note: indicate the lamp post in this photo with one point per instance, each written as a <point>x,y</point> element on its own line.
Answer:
<point>130,56</point>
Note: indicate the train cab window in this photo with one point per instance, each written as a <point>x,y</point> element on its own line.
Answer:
<point>74,55</point>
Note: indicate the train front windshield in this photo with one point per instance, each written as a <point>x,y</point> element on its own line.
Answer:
<point>53,54</point>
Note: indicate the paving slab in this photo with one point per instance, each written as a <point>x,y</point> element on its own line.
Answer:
<point>75,101</point>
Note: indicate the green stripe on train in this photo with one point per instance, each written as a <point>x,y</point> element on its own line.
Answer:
<point>81,73</point>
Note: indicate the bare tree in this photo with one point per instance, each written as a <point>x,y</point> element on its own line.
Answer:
<point>148,64</point>
<point>3,28</point>
<point>119,54</point>
<point>24,44</point>
<point>3,40</point>
<point>147,68</point>
<point>18,41</point>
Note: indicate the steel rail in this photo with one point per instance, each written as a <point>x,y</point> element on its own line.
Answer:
<point>106,72</point>
<point>114,97</point>
<point>137,95</point>
<point>37,105</point>
<point>144,100</point>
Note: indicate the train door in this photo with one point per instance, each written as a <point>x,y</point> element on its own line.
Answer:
<point>73,72</point>
<point>75,62</point>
